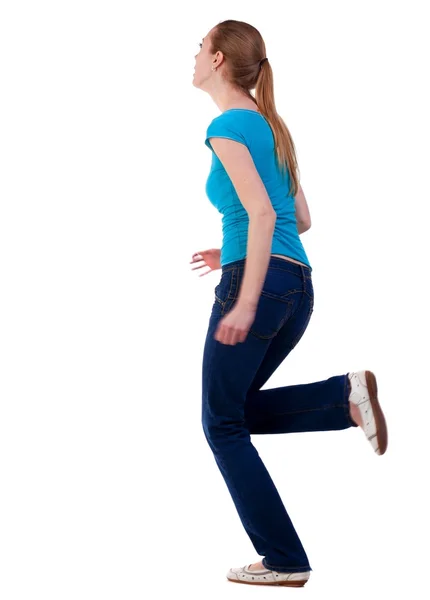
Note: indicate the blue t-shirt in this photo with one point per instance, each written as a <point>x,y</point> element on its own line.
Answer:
<point>251,129</point>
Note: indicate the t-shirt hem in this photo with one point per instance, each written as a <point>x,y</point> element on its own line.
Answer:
<point>225,137</point>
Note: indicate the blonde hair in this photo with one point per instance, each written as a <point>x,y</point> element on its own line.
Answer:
<point>243,48</point>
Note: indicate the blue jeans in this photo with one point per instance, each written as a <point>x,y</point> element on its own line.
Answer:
<point>234,406</point>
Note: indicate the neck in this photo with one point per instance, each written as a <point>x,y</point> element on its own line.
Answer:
<point>225,98</point>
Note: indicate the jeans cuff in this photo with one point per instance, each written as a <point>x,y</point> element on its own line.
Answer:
<point>347,391</point>
<point>285,569</point>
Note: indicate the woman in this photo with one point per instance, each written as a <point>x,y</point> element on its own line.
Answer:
<point>263,302</point>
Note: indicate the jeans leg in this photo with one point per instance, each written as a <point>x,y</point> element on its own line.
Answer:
<point>320,406</point>
<point>228,372</point>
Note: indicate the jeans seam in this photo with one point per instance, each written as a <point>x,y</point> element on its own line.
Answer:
<point>229,296</point>
<point>284,298</point>
<point>220,302</point>
<point>295,412</point>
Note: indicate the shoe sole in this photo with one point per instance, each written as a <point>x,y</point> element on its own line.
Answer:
<point>381,425</point>
<point>284,583</point>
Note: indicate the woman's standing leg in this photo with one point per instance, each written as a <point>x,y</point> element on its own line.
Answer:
<point>228,372</point>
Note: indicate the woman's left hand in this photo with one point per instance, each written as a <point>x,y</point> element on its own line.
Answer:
<point>234,327</point>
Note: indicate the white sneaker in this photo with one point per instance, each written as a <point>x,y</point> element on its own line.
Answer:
<point>364,394</point>
<point>266,577</point>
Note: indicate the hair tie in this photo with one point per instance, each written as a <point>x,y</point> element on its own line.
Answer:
<point>262,61</point>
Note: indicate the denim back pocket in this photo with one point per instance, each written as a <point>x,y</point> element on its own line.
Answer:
<point>227,290</point>
<point>281,283</point>
<point>281,289</point>
<point>270,317</point>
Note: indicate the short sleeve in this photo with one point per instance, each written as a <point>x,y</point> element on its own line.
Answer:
<point>220,128</point>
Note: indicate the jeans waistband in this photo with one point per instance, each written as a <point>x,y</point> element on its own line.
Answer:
<point>277,262</point>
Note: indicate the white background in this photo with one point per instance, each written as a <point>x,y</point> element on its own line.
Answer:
<point>108,486</point>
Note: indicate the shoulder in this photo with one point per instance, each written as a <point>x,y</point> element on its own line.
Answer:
<point>224,120</point>
<point>226,126</point>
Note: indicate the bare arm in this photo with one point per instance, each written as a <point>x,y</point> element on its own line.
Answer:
<point>301,228</point>
<point>252,193</point>
<point>303,216</point>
